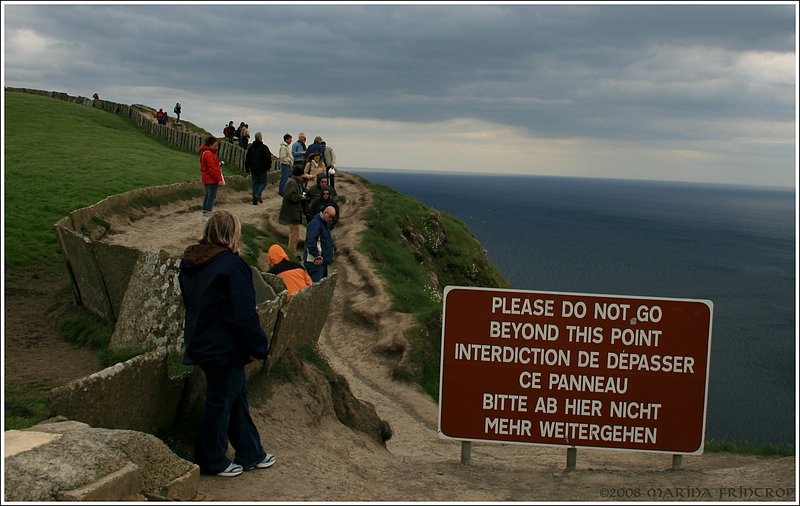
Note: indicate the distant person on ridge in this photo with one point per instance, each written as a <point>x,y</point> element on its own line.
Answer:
<point>293,274</point>
<point>244,135</point>
<point>222,334</point>
<point>257,162</point>
<point>319,244</point>
<point>177,111</point>
<point>286,161</point>
<point>291,212</point>
<point>228,131</point>
<point>210,173</point>
<point>160,116</point>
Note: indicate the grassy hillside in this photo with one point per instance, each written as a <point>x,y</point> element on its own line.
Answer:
<point>60,157</point>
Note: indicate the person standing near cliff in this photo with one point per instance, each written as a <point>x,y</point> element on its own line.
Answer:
<point>177,111</point>
<point>285,161</point>
<point>210,173</point>
<point>222,334</point>
<point>257,162</point>
<point>319,244</point>
<point>291,212</point>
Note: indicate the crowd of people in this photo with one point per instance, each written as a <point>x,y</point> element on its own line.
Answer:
<point>305,186</point>
<point>222,332</point>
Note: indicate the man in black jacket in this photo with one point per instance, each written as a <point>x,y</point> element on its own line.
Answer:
<point>257,162</point>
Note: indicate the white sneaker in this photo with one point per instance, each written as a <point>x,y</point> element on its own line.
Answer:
<point>231,471</point>
<point>266,462</point>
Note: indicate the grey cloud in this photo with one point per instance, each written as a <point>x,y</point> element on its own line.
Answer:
<point>557,70</point>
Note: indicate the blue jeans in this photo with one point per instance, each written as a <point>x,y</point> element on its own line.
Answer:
<point>210,197</point>
<point>316,272</point>
<point>259,183</point>
<point>286,171</point>
<point>226,417</point>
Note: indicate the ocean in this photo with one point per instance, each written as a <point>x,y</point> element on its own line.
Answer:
<point>733,245</point>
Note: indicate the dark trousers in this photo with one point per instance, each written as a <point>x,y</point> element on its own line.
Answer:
<point>316,272</point>
<point>226,417</point>
<point>259,183</point>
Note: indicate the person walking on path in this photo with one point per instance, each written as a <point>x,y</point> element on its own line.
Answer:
<point>293,274</point>
<point>291,212</point>
<point>222,334</point>
<point>319,244</point>
<point>286,161</point>
<point>177,111</point>
<point>210,173</point>
<point>257,162</point>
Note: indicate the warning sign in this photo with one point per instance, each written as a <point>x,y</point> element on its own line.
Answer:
<point>571,369</point>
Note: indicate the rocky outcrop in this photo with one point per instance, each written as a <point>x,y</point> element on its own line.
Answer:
<point>60,460</point>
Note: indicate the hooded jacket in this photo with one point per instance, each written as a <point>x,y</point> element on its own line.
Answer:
<point>293,274</point>
<point>210,170</point>
<point>222,328</point>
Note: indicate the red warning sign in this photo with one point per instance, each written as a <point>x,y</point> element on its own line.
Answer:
<point>576,370</point>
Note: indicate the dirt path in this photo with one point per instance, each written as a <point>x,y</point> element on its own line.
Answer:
<point>321,460</point>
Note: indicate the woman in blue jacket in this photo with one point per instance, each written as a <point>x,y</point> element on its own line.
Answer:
<point>222,334</point>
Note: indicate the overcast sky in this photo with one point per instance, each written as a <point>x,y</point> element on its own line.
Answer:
<point>651,91</point>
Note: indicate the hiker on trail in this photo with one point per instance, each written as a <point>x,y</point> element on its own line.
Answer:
<point>285,160</point>
<point>177,111</point>
<point>160,116</point>
<point>299,151</point>
<point>229,131</point>
<point>314,193</point>
<point>315,167</point>
<point>326,198</point>
<point>319,244</point>
<point>293,274</point>
<point>244,135</point>
<point>210,173</point>
<point>257,162</point>
<point>329,158</point>
<point>222,334</point>
<point>291,212</point>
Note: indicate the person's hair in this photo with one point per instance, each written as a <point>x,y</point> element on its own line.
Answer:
<point>258,136</point>
<point>286,137</point>
<point>224,229</point>
<point>210,140</point>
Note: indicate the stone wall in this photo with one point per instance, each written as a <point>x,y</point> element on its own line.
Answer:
<point>138,292</point>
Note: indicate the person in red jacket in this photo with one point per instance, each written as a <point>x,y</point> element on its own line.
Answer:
<point>211,173</point>
<point>293,274</point>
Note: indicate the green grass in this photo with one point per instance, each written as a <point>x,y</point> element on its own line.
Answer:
<point>416,247</point>
<point>747,448</point>
<point>61,156</point>
<point>24,403</point>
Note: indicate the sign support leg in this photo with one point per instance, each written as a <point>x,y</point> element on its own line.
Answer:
<point>677,460</point>
<point>572,458</point>
<point>466,451</point>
